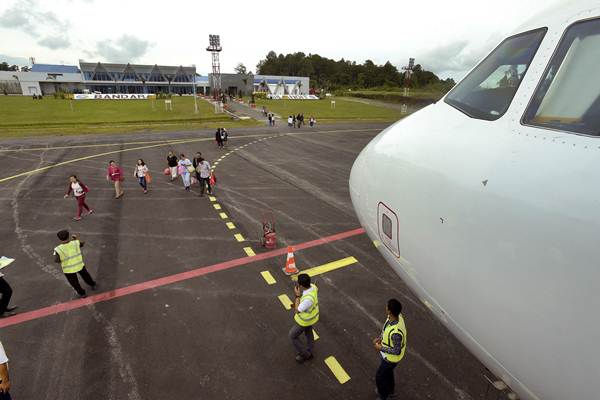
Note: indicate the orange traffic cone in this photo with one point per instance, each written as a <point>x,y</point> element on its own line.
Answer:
<point>290,263</point>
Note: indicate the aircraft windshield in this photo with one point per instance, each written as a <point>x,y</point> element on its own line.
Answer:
<point>569,96</point>
<point>488,90</point>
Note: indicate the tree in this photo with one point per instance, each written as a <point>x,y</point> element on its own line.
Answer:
<point>25,69</point>
<point>241,69</point>
<point>4,66</point>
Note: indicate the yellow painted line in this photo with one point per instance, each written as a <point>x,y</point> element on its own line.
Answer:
<point>33,171</point>
<point>239,237</point>
<point>216,163</point>
<point>337,369</point>
<point>315,335</point>
<point>212,198</point>
<point>321,269</point>
<point>285,300</point>
<point>376,243</point>
<point>268,278</point>
<point>217,206</point>
<point>223,216</point>
<point>230,225</point>
<point>249,251</point>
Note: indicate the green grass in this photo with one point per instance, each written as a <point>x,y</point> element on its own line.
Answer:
<point>321,109</point>
<point>23,116</point>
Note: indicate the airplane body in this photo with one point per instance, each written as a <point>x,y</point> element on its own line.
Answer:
<point>487,204</point>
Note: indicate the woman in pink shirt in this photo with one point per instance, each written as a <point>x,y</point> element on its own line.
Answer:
<point>115,174</point>
<point>79,190</point>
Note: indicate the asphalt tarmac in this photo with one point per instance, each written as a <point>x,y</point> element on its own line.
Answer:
<point>182,310</point>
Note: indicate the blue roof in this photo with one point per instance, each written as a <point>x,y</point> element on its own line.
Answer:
<point>56,69</point>
<point>201,78</point>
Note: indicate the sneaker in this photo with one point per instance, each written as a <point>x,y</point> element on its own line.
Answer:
<point>13,308</point>
<point>77,218</point>
<point>90,212</point>
<point>145,191</point>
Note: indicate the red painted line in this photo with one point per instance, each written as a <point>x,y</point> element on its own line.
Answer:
<point>166,280</point>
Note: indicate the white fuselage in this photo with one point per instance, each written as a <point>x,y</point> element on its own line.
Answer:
<point>496,228</point>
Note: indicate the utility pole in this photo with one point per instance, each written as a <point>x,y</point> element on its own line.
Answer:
<point>215,48</point>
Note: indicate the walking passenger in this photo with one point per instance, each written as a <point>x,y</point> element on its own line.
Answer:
<point>306,314</point>
<point>218,138</point>
<point>224,137</point>
<point>141,173</point>
<point>270,118</point>
<point>68,254</point>
<point>172,163</point>
<point>184,169</point>
<point>290,121</point>
<point>391,345</point>
<point>79,190</point>
<point>203,171</point>
<point>115,174</point>
<point>312,121</point>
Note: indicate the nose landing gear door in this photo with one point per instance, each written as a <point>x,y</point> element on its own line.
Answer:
<point>389,229</point>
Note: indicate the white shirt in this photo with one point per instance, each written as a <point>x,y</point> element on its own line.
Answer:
<point>185,163</point>
<point>77,189</point>
<point>307,303</point>
<point>3,358</point>
<point>140,170</point>
<point>204,169</point>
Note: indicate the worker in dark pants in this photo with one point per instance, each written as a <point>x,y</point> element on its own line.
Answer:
<point>391,346</point>
<point>306,314</point>
<point>6,291</point>
<point>68,254</point>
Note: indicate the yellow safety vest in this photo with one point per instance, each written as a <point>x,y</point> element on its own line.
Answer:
<point>386,339</point>
<point>71,259</point>
<point>310,316</point>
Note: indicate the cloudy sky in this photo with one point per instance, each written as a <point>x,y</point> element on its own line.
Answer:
<point>447,37</point>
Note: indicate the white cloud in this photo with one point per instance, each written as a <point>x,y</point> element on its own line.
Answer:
<point>55,42</point>
<point>127,48</point>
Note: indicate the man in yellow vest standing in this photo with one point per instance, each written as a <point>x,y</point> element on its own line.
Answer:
<point>391,346</point>
<point>68,254</point>
<point>306,314</point>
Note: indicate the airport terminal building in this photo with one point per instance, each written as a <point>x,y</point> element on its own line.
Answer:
<point>99,77</point>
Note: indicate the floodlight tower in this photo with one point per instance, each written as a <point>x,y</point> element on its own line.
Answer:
<point>215,48</point>
<point>408,70</point>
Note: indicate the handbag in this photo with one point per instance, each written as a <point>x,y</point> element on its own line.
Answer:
<point>191,169</point>
<point>148,177</point>
<point>167,171</point>
<point>212,179</point>
<point>194,180</point>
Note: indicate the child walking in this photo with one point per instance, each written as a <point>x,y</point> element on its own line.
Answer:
<point>185,166</point>
<point>141,173</point>
<point>79,190</point>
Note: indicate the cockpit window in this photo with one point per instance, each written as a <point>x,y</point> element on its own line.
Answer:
<point>488,90</point>
<point>568,97</point>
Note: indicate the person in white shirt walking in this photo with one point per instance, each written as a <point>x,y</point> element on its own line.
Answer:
<point>141,173</point>
<point>185,165</point>
<point>4,378</point>
<point>79,191</point>
<point>203,170</point>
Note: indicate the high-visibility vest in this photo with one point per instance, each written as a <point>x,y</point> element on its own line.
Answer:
<point>71,259</point>
<point>310,316</point>
<point>386,339</point>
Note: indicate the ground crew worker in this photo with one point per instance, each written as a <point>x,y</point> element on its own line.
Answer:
<point>391,345</point>
<point>306,314</point>
<point>68,254</point>
<point>4,379</point>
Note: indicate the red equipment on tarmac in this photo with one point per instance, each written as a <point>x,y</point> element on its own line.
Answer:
<point>269,237</point>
